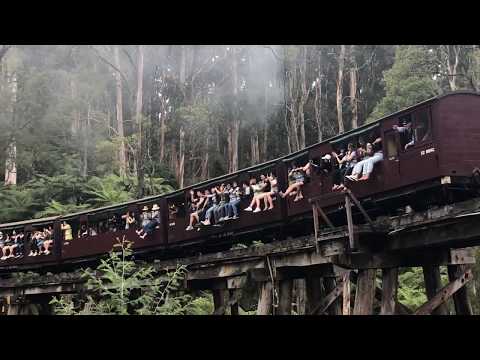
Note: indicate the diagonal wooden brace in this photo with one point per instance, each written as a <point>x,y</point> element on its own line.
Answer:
<point>328,300</point>
<point>445,293</point>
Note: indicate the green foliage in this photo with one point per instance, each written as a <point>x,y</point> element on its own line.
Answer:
<point>17,204</point>
<point>119,286</point>
<point>411,289</point>
<point>107,191</point>
<point>410,80</point>
<point>54,208</point>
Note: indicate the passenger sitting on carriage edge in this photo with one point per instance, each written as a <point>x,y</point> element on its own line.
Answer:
<point>299,181</point>
<point>196,208</point>
<point>67,231</point>
<point>271,190</point>
<point>152,224</point>
<point>346,164</point>
<point>47,243</point>
<point>129,218</point>
<point>235,198</point>
<point>374,154</point>
<point>3,245</point>
<point>221,211</point>
<point>212,198</point>
<point>258,194</point>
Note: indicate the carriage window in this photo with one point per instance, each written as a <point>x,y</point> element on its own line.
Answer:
<point>422,126</point>
<point>405,123</point>
<point>391,142</point>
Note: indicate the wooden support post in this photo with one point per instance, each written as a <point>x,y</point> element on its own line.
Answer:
<point>219,301</point>
<point>325,217</point>
<point>452,288</point>
<point>460,298</point>
<point>233,298</point>
<point>314,292</point>
<point>433,284</point>
<point>315,226</point>
<point>348,209</point>
<point>389,291</point>
<point>365,292</point>
<point>362,210</point>
<point>400,309</point>
<point>265,299</point>
<point>300,287</point>
<point>285,297</point>
<point>346,294</point>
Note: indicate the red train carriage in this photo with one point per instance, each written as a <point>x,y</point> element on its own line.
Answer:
<point>444,152</point>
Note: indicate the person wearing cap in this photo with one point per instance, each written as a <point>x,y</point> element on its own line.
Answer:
<point>152,224</point>
<point>145,216</point>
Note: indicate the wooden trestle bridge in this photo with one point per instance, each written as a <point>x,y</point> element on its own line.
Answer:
<point>331,272</point>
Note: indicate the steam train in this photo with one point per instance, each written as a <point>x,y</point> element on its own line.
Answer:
<point>441,166</point>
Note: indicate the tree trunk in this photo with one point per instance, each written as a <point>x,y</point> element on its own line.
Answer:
<point>75,113</point>
<point>181,159</point>
<point>319,99</point>
<point>451,59</point>
<point>264,154</point>
<point>304,91</point>
<point>341,63</point>
<point>353,88</point>
<point>11,159</point>
<point>139,122</point>
<point>204,166</point>
<point>235,124</point>
<point>86,134</point>
<point>119,105</point>
<point>255,150</point>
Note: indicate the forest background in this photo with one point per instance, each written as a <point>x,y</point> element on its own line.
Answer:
<point>84,126</point>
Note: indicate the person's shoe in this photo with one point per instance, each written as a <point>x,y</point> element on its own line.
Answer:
<point>248,209</point>
<point>270,208</point>
<point>363,178</point>
<point>189,228</point>
<point>226,218</point>
<point>206,222</point>
<point>257,210</point>
<point>3,258</point>
<point>235,217</point>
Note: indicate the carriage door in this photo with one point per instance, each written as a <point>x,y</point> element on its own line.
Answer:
<point>391,161</point>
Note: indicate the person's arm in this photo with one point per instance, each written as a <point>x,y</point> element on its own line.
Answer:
<point>377,140</point>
